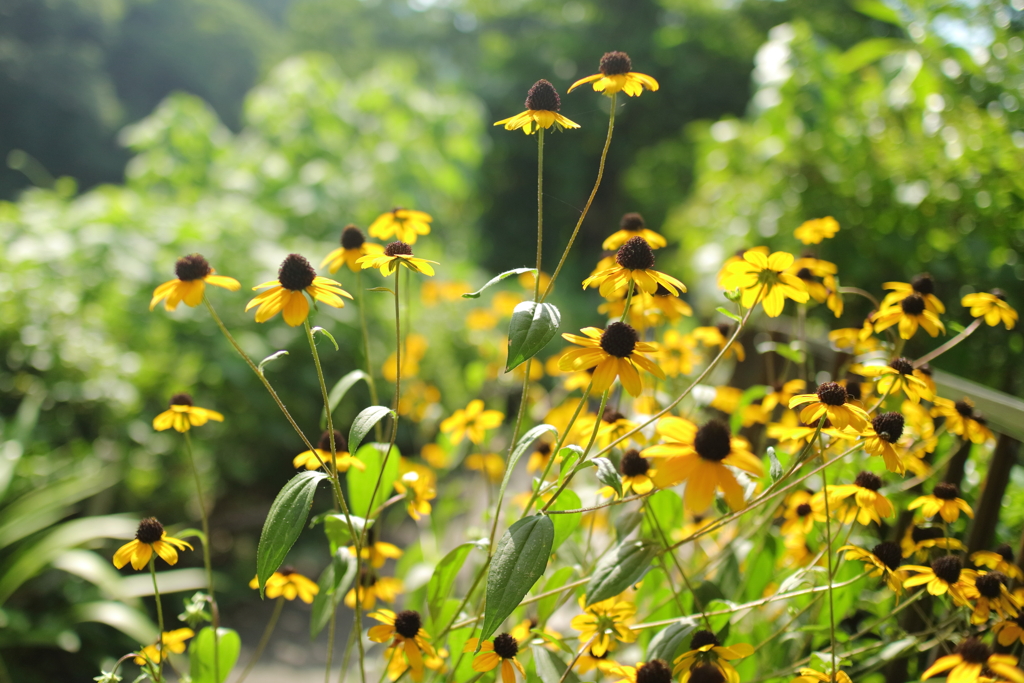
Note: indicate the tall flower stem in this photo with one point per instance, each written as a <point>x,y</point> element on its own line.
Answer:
<point>586,452</point>
<point>361,305</point>
<point>828,546</point>
<point>159,615</point>
<point>206,556</point>
<point>967,332</point>
<point>264,639</point>
<point>540,212</point>
<point>590,200</point>
<point>628,303</point>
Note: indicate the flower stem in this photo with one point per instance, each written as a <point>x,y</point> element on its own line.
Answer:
<point>590,200</point>
<point>828,547</point>
<point>540,211</point>
<point>361,305</point>
<point>159,616</point>
<point>629,302</point>
<point>264,639</point>
<point>206,556</point>
<point>967,332</point>
<point>590,444</point>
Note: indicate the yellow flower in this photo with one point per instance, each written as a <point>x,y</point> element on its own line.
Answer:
<point>961,419</point>
<point>286,296</point>
<point>353,247</point>
<point>150,537</point>
<point>182,415</point>
<point>310,461</point>
<point>539,457</point>
<point>377,552</point>
<point>502,650</point>
<point>700,458</point>
<point>945,575</point>
<point>970,659</point>
<point>812,676</point>
<point>881,561</point>
<point>943,501</point>
<point>922,284</point>
<point>830,400</point>
<point>405,224</point>
<point>763,279</point>
<point>994,596</point>
<point>542,105</point>
<point>676,353</point>
<point>896,376</point>
<point>394,255</point>
<point>616,75</point>
<point>414,348</point>
<point>605,622</point>
<point>706,650</point>
<point>992,306</point>
<point>491,464</point>
<point>881,437</point>
<point>588,662</point>
<point>193,272</point>
<point>653,671</point>
<point>632,225</point>
<point>418,398</point>
<point>824,292</point>
<point>636,475</point>
<point>370,588</point>
<point>1001,561</point>
<point>918,540</point>
<point>170,642</point>
<point>613,425</point>
<point>909,313</point>
<point>290,584</point>
<point>868,505</point>
<point>719,336</point>
<point>793,435</point>
<point>634,262</point>
<point>1010,630</point>
<point>799,514</point>
<point>471,422</point>
<point>408,638</point>
<point>418,490</point>
<point>816,230</point>
<point>616,352</point>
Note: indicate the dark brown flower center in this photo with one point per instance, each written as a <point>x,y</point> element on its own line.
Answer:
<point>367,577</point>
<point>805,274</point>
<point>1007,552</point>
<point>803,509</point>
<point>999,294</point>
<point>619,339</point>
<point>408,623</point>
<point>991,585</point>
<point>182,399</point>
<point>635,254</point>
<point>889,553</point>
<point>945,491</point>
<point>888,426</point>
<point>506,646</point>
<point>192,267</point>
<point>913,304</point>
<point>923,284</point>
<point>543,97</point>
<point>613,63</point>
<point>868,480</point>
<point>324,444</point>
<point>352,237</point>
<point>723,329</point>
<point>925,533</point>
<point>703,637</point>
<point>544,449</point>
<point>633,464</point>
<point>964,407</point>
<point>631,222</point>
<point>654,671</point>
<point>832,394</point>
<point>853,390</point>
<point>947,568</point>
<point>611,416</point>
<point>902,366</point>
<point>706,673</point>
<point>974,651</point>
<point>286,570</point>
<point>296,273</point>
<point>398,248</point>
<point>661,291</point>
<point>150,530</point>
<point>713,441</point>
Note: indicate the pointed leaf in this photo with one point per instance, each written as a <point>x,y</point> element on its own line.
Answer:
<point>334,582</point>
<point>608,475</point>
<point>497,279</point>
<point>362,482</point>
<point>284,523</point>
<point>570,455</point>
<point>339,390</point>
<point>665,645</point>
<point>519,560</point>
<point>364,422</point>
<point>565,524</point>
<point>524,444</point>
<point>443,578</point>
<point>619,569</point>
<point>200,654</point>
<point>546,605</point>
<point>533,325</point>
<point>729,314</point>
<point>550,667</point>
<point>273,356</point>
<point>326,334</point>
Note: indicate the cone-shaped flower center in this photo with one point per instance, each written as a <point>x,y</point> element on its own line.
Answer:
<point>611,416</point>
<point>902,366</point>
<point>703,637</point>
<point>706,673</point>
<point>635,254</point>
<point>654,671</point>
<point>803,509</point>
<point>407,623</point>
<point>832,394</point>
<point>964,407</point>
<point>150,530</point>
<point>923,283</point>
<point>945,491</point>
<point>913,304</point>
<point>1006,552</point>
<point>713,442</point>
<point>925,533</point>
<point>947,568</point>
<point>805,274</point>
<point>619,339</point>
<point>974,651</point>
<point>888,426</point>
<point>990,585</point>
<point>543,97</point>
<point>633,464</point>
<point>506,646</point>
<point>192,267</point>
<point>182,399</point>
<point>614,63</point>
<point>398,249</point>
<point>325,442</point>
<point>867,480</point>
<point>999,294</point>
<point>296,273</point>
<point>889,553</point>
<point>352,237</point>
<point>631,221</point>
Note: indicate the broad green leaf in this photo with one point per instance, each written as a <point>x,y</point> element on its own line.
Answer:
<point>626,522</point>
<point>334,582</point>
<point>284,523</point>
<point>361,482</point>
<point>200,654</point>
<point>878,10</point>
<point>271,357</point>
<point>870,51</point>
<point>496,279</point>
<point>326,334</point>
<point>619,569</point>
<point>729,314</point>
<point>337,529</point>
<point>441,581</point>
<point>749,396</point>
<point>565,524</point>
<point>550,667</point>
<point>364,422</point>
<point>760,570</point>
<point>775,467</point>
<point>667,507</point>
<point>532,326</point>
<point>666,644</point>
<point>339,390</point>
<point>608,475</point>
<point>569,455</point>
<point>519,560</point>
<point>546,606</point>
<point>520,450</point>
<point>557,642</point>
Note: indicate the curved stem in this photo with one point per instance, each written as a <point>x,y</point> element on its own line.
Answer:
<point>361,305</point>
<point>215,612</point>
<point>586,452</point>
<point>967,332</point>
<point>264,639</point>
<point>629,302</point>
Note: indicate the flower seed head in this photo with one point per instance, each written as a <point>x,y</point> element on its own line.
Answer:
<point>991,584</point>
<point>974,651</point>
<point>150,530</point>
<point>945,491</point>
<point>654,671</point>
<point>805,274</point>
<point>181,399</point>
<point>913,304</point>
<point>544,448</point>
<point>367,577</point>
<point>324,444</point>
<point>192,267</point>
<point>635,254</point>
<point>925,533</point>
<point>398,249</point>
<point>703,637</point>
<point>831,394</point>
<point>352,237</point>
<point>543,97</point>
<point>947,568</point>
<point>619,339</point>
<point>611,416</point>
<point>286,570</point>
<point>295,273</point>
<point>407,623</point>
<point>723,329</point>
<point>964,407</point>
<point>888,426</point>
<point>506,646</point>
<point>925,369</point>
<point>999,294</point>
<point>803,509</point>
<point>1006,552</point>
<point>889,553</point>
<point>632,222</point>
<point>902,366</point>
<point>854,390</point>
<point>633,464</point>
<point>706,673</point>
<point>615,63</point>
<point>923,283</point>
<point>867,480</point>
<point>713,442</point>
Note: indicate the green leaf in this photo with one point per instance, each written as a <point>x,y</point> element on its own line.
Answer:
<point>380,289</point>
<point>619,569</point>
<point>334,582</point>
<point>608,475</point>
<point>532,326</point>
<point>284,523</point>
<point>665,645</point>
<point>519,560</point>
<point>729,314</point>
<point>569,455</point>
<point>878,10</point>
<point>496,280</point>
<point>337,529</point>
<point>200,654</point>
<point>361,482</point>
<point>869,51</point>
<point>520,450</point>
<point>546,606</point>
<point>364,422</point>
<point>774,467</point>
<point>550,667</point>
<point>273,356</point>
<point>565,524</point>
<point>749,396</point>
<point>326,334</point>
<point>667,507</point>
<point>443,579</point>
<point>339,390</point>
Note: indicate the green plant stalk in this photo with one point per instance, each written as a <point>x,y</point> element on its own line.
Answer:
<point>629,302</point>
<point>675,561</point>
<point>511,447</point>
<point>330,644</point>
<point>264,639</point>
<point>590,200</point>
<point>540,212</point>
<point>935,353</point>
<point>828,548</point>
<point>583,458</point>
<point>206,556</point>
<point>159,615</point>
<point>361,305</point>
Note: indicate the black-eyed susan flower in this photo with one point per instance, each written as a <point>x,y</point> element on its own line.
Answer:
<point>632,225</point>
<point>588,661</point>
<point>814,676</point>
<point>830,400</point>
<point>718,336</point>
<point>193,274</point>
<point>992,306</point>
<point>1010,631</point>
<point>407,636</point>
<point>183,415</point>
<point>816,230</point>
<point>799,515</point>
<point>150,538</point>
<point>613,352</point>
<point>171,642</point>
<point>993,596</point>
<point>471,422</point>
<point>370,587</point>
<point>868,504</point>
<point>491,464</point>
<point>636,475</point>
<point>969,662</point>
<point>405,225</point>
<point>418,489</point>
<point>1000,560</point>
<point>654,671</point>
<point>961,419</point>
<point>676,354</point>
<point>539,457</point>
<point>881,561</point>
<point>312,460</point>
<point>394,255</point>
<point>819,279</point>
<point>700,458</point>
<point>881,436</point>
<point>613,425</point>
<point>706,650</point>
<point>376,552</point>
<point>945,575</point>
<point>542,105</point>
<point>289,584</point>
<point>922,285</point>
<point>501,651</point>
<point>944,500</point>
<point>353,247</point>
<point>287,294</point>
<point>898,376</point>
<point>919,540</point>
<point>634,262</point>
<point>604,623</point>
<point>763,278</point>
<point>908,314</point>
<point>616,75</point>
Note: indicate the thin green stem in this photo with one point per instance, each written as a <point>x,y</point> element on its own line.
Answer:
<point>264,639</point>
<point>629,302</point>
<point>330,644</point>
<point>511,447</point>
<point>828,547</point>
<point>159,615</point>
<point>540,212</point>
<point>675,560</point>
<point>215,612</point>
<point>967,332</point>
<point>370,382</point>
<point>586,451</point>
